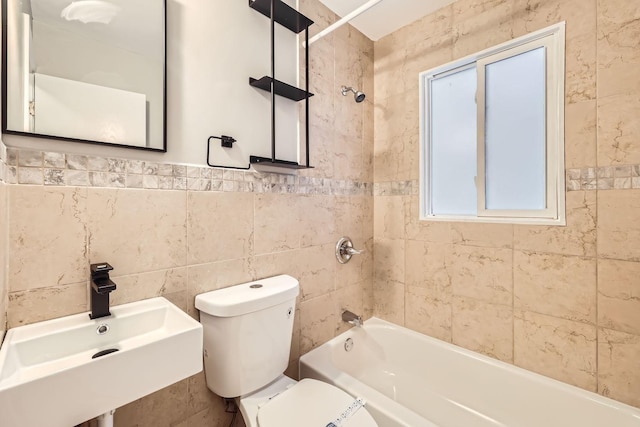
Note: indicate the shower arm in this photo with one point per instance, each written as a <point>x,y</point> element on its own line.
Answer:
<point>339,23</point>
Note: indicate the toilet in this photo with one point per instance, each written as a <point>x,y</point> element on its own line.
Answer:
<point>247,338</point>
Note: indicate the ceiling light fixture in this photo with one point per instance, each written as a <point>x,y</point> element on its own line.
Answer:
<point>89,11</point>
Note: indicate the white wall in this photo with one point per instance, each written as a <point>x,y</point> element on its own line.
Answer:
<point>213,47</point>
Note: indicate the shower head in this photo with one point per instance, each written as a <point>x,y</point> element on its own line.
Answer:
<point>357,95</point>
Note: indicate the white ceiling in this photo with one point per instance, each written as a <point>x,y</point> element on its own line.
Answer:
<point>387,16</point>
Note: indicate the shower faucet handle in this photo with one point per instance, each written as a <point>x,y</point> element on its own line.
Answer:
<point>345,250</point>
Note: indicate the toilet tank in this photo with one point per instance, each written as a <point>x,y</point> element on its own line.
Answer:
<point>247,333</point>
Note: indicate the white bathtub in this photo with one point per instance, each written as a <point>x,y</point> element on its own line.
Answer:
<point>409,379</point>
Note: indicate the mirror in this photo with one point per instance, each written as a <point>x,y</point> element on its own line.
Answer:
<point>85,70</point>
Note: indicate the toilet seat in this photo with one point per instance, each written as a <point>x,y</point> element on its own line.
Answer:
<point>311,403</point>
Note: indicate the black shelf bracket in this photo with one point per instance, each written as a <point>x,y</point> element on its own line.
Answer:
<point>282,89</point>
<point>284,14</point>
<point>267,161</point>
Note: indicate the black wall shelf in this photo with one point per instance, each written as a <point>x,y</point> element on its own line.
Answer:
<point>285,15</point>
<point>281,13</point>
<point>281,88</point>
<point>267,161</point>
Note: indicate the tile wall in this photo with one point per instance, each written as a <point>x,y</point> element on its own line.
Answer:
<point>4,292</point>
<point>178,231</point>
<point>561,301</point>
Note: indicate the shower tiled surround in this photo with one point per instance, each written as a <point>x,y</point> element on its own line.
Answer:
<point>178,231</point>
<point>561,301</point>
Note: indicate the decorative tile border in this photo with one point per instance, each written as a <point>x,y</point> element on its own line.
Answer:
<point>60,169</point>
<point>3,161</point>
<point>618,177</point>
<point>19,166</point>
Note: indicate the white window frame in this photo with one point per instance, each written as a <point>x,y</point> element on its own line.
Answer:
<point>553,40</point>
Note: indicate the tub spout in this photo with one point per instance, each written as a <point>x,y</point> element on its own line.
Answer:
<point>352,318</point>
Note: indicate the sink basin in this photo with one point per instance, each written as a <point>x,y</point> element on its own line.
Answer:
<point>48,376</point>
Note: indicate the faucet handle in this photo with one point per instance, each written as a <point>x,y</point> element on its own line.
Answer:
<point>101,267</point>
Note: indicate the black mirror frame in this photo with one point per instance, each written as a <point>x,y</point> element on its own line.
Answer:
<point>62,138</point>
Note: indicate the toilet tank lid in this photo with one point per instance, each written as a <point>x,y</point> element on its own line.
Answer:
<point>248,297</point>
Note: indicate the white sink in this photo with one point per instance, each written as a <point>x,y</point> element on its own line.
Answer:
<point>48,377</point>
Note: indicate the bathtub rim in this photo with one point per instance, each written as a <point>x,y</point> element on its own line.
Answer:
<point>316,355</point>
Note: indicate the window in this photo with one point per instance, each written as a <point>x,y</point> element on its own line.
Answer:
<point>492,132</point>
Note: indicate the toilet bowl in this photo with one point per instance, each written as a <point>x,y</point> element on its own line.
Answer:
<point>247,337</point>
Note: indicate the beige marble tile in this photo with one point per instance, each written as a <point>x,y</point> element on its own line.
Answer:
<point>321,109</point>
<point>4,291</point>
<point>136,287</point>
<point>485,235</point>
<point>558,348</point>
<point>426,266</point>
<point>556,285</point>
<point>389,301</point>
<point>429,231</point>
<point>35,305</point>
<point>273,264</point>
<point>124,229</point>
<point>219,226</point>
<point>322,61</point>
<point>389,261</point>
<point>619,295</point>
<point>157,412</point>
<point>47,236</point>
<point>316,270</point>
<point>483,24</point>
<point>619,224</point>
<point>320,154</point>
<point>483,327</point>
<point>618,56</point>
<point>580,65</point>
<point>618,373</point>
<point>428,314</point>
<point>481,273</point>
<point>354,216</point>
<point>532,15</point>
<point>318,222</point>
<point>200,397</point>
<point>578,237</point>
<point>434,29</point>
<point>580,16</point>
<point>129,415</point>
<point>390,66</point>
<point>580,134</point>
<point>388,217</point>
<point>318,321</point>
<point>277,223</point>
<point>618,129</point>
<point>209,277</point>
<point>397,122</point>
<point>368,299</point>
<point>348,153</point>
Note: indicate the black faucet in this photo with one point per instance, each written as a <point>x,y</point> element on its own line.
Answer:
<point>101,286</point>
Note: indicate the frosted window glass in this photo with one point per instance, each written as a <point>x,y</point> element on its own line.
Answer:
<point>453,144</point>
<point>515,132</point>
